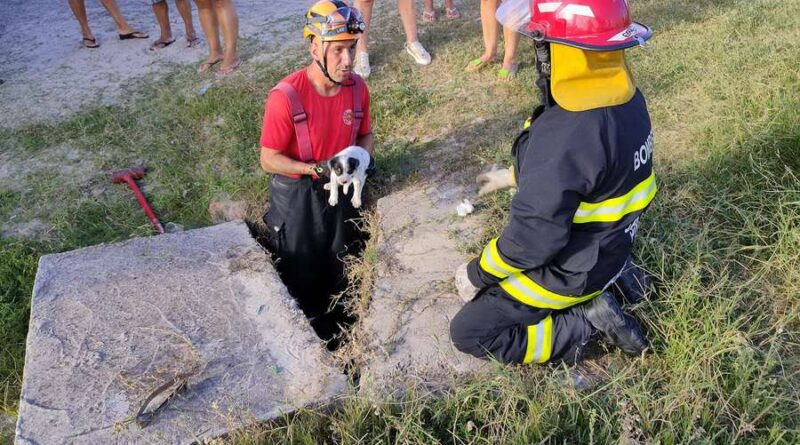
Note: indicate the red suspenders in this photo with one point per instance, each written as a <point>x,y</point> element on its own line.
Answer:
<point>300,117</point>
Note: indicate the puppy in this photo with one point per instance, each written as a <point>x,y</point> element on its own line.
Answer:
<point>348,166</point>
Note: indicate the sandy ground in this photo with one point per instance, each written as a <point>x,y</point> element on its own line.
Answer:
<point>48,74</point>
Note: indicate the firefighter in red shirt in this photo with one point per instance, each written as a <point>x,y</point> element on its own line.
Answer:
<point>310,116</point>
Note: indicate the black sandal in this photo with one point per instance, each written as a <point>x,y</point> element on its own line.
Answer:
<point>90,43</point>
<point>134,35</point>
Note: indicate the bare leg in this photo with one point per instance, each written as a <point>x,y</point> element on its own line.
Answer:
<point>409,19</point>
<point>79,9</point>
<point>510,42</point>
<point>208,20</point>
<point>185,10</point>
<point>161,11</point>
<point>113,10</point>
<point>365,6</point>
<point>490,28</point>
<point>428,14</point>
<point>229,22</point>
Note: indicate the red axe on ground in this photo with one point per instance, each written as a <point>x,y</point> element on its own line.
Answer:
<point>130,175</point>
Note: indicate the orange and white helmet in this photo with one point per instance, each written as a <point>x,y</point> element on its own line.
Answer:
<point>333,20</point>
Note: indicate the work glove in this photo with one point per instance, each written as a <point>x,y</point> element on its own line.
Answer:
<point>495,180</point>
<point>465,288</point>
<point>322,170</point>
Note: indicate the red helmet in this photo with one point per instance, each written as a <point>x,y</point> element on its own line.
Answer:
<point>597,25</point>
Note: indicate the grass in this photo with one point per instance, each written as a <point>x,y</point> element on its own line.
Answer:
<point>722,239</point>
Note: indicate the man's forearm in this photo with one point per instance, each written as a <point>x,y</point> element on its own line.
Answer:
<point>280,164</point>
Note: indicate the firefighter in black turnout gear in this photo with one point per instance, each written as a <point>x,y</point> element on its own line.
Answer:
<point>583,167</point>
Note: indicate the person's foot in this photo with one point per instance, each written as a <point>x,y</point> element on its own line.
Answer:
<point>429,16</point>
<point>161,44</point>
<point>192,41</point>
<point>508,72</point>
<point>208,63</point>
<point>478,64</point>
<point>226,69</point>
<point>417,51</point>
<point>133,35</point>
<point>361,65</point>
<point>619,328</point>
<point>90,42</point>
<point>632,284</point>
<point>452,13</point>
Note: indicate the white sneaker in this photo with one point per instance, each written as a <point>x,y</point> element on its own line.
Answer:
<point>418,53</point>
<point>361,66</point>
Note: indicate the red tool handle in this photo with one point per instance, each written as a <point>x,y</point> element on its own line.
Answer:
<point>143,202</point>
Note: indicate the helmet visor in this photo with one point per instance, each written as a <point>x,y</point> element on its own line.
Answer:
<point>342,20</point>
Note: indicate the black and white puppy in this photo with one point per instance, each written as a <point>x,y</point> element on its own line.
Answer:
<point>349,166</point>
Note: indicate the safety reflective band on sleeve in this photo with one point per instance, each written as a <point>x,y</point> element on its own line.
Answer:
<point>527,291</point>
<point>540,341</point>
<point>615,209</point>
<point>491,261</point>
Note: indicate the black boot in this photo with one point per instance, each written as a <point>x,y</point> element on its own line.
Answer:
<point>632,284</point>
<point>619,328</point>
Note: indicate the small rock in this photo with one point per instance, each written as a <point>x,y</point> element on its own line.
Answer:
<point>464,208</point>
<point>172,227</point>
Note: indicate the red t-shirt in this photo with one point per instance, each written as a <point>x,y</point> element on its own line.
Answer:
<point>330,119</point>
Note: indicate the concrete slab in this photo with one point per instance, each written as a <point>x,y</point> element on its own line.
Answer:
<point>414,301</point>
<point>111,323</point>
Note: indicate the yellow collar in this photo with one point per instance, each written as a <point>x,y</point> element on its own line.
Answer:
<point>583,80</point>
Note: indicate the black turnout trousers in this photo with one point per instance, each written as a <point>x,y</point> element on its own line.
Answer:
<point>309,240</point>
<point>496,325</point>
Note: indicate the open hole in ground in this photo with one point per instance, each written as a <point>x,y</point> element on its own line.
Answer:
<point>313,247</point>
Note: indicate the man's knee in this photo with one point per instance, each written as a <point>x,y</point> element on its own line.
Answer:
<point>465,332</point>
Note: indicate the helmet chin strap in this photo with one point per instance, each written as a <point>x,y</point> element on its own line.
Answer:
<point>324,67</point>
<point>543,69</point>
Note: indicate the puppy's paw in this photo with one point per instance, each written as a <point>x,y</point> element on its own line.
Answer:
<point>333,201</point>
<point>327,186</point>
<point>356,202</point>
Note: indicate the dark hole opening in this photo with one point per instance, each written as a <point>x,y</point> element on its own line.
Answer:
<point>309,241</point>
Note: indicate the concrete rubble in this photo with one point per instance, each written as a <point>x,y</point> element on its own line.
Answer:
<point>111,323</point>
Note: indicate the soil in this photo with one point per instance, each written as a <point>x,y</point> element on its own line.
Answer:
<point>47,74</point>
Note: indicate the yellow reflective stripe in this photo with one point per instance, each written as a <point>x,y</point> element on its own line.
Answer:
<point>616,208</point>
<point>527,291</point>
<point>540,341</point>
<point>493,263</point>
<point>527,123</point>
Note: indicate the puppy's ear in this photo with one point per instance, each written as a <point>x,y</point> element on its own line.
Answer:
<point>332,161</point>
<point>352,164</point>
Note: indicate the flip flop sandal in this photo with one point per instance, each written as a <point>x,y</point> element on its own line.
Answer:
<point>453,13</point>
<point>508,73</point>
<point>228,70</point>
<point>191,43</point>
<point>90,43</point>
<point>134,35</point>
<point>205,66</point>
<point>477,64</point>
<point>161,44</point>
<point>428,16</point>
